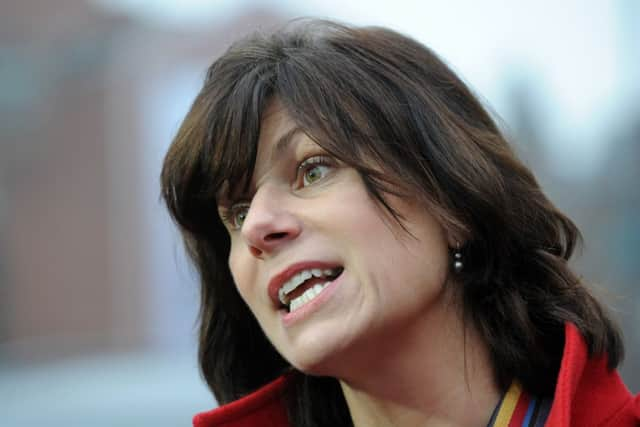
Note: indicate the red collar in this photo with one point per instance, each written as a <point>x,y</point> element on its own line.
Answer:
<point>587,394</point>
<point>263,407</point>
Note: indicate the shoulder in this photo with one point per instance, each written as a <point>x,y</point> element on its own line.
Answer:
<point>263,407</point>
<point>587,392</point>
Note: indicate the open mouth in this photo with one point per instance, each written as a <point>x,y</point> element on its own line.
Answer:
<point>305,285</point>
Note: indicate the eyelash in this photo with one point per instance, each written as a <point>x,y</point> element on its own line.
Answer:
<point>228,215</point>
<point>312,162</point>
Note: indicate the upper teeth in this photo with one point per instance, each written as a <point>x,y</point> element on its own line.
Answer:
<point>300,277</point>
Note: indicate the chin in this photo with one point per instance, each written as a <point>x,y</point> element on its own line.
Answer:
<point>313,363</point>
<point>322,358</point>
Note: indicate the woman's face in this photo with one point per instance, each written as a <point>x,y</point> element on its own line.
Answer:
<point>308,219</point>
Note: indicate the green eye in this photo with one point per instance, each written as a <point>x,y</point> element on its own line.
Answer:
<point>314,173</point>
<point>236,215</point>
<point>239,216</point>
<point>314,169</point>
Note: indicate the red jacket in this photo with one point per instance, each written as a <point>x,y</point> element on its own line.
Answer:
<point>586,394</point>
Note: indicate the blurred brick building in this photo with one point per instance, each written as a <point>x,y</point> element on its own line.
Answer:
<point>76,186</point>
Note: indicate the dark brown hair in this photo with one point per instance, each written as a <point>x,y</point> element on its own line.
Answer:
<point>371,93</point>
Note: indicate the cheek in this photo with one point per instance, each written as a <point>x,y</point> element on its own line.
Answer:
<point>241,272</point>
<point>409,263</point>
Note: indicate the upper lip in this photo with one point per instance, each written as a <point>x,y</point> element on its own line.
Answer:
<point>281,278</point>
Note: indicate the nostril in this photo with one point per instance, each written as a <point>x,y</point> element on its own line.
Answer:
<point>255,251</point>
<point>275,236</point>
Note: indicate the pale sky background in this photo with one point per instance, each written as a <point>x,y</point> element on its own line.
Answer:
<point>573,53</point>
<point>579,62</point>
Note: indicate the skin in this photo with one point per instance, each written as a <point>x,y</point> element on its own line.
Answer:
<point>389,330</point>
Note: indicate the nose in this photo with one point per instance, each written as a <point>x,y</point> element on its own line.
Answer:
<point>270,223</point>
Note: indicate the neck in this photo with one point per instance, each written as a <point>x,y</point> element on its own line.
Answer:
<point>436,373</point>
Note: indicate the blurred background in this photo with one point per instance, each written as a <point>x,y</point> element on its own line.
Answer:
<point>97,303</point>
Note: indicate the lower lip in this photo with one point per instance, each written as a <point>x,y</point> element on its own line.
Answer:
<point>289,319</point>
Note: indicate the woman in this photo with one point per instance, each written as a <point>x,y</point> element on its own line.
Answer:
<point>371,251</point>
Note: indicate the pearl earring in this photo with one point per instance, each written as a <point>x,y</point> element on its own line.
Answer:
<point>457,259</point>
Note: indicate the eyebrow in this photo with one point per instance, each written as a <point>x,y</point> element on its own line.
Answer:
<point>284,142</point>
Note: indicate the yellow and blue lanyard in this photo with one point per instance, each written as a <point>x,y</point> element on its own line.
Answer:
<point>517,408</point>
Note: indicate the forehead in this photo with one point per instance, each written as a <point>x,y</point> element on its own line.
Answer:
<point>278,137</point>
<point>279,133</point>
<point>275,121</point>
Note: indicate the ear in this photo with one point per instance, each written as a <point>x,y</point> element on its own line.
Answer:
<point>456,239</point>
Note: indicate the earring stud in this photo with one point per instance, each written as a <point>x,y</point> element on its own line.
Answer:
<point>457,259</point>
